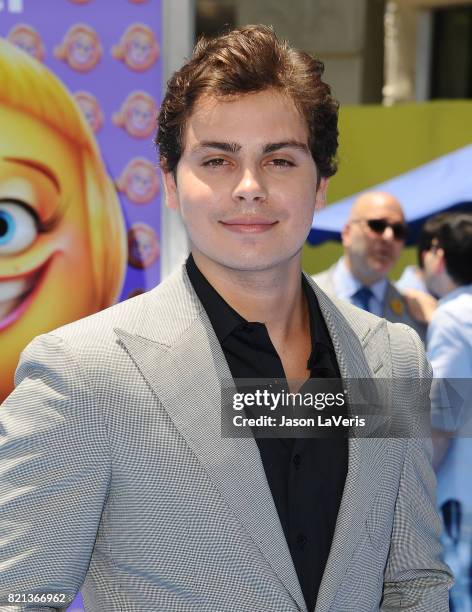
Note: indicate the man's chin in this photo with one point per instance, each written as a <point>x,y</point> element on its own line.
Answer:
<point>250,264</point>
<point>381,268</point>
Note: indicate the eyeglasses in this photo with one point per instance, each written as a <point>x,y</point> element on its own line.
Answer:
<point>378,226</point>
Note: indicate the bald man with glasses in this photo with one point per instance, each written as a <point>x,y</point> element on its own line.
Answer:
<point>373,239</point>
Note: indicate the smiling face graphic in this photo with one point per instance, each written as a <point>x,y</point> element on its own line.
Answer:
<point>137,115</point>
<point>139,181</point>
<point>46,274</point>
<point>83,51</point>
<point>138,48</point>
<point>91,109</point>
<point>80,49</point>
<point>141,117</point>
<point>142,183</point>
<point>143,245</point>
<point>25,37</point>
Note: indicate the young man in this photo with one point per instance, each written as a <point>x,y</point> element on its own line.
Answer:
<point>116,473</point>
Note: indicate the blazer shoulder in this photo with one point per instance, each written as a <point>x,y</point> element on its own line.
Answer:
<point>408,353</point>
<point>96,328</point>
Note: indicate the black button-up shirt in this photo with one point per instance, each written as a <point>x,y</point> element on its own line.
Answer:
<point>306,476</point>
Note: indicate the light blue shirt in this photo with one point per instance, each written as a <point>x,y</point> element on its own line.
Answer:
<point>449,348</point>
<point>346,285</point>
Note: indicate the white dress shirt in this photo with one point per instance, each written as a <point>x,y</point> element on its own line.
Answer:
<point>346,285</point>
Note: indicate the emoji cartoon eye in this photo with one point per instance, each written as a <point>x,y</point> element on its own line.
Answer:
<point>18,228</point>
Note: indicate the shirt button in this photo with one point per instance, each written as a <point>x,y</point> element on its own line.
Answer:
<point>297,461</point>
<point>302,540</point>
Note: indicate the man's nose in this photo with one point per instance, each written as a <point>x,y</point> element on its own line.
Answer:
<point>250,187</point>
<point>388,234</point>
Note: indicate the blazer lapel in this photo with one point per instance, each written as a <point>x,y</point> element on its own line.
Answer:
<point>356,344</point>
<point>185,367</point>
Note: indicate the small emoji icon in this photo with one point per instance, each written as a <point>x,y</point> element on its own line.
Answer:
<point>25,37</point>
<point>139,181</point>
<point>143,246</point>
<point>138,115</point>
<point>396,306</point>
<point>80,48</point>
<point>138,47</point>
<point>90,107</point>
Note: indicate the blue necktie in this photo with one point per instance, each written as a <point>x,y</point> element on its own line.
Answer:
<point>362,297</point>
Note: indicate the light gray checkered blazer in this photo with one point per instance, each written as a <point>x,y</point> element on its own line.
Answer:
<point>114,477</point>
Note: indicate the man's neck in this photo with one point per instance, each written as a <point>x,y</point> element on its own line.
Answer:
<point>447,286</point>
<point>273,296</point>
<point>365,278</point>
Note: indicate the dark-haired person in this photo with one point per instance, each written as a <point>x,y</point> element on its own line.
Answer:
<point>448,274</point>
<point>114,470</point>
<point>373,239</point>
<point>412,284</point>
<point>413,276</point>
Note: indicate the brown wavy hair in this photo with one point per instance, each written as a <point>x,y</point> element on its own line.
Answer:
<point>249,60</point>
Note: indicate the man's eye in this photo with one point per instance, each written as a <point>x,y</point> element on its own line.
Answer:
<point>282,163</point>
<point>18,228</point>
<point>215,162</point>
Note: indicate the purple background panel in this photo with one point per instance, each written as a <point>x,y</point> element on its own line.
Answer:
<point>111,81</point>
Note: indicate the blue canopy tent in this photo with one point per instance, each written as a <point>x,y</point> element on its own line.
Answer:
<point>442,184</point>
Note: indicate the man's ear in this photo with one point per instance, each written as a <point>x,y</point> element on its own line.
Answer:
<point>170,189</point>
<point>441,260</point>
<point>320,198</point>
<point>346,234</point>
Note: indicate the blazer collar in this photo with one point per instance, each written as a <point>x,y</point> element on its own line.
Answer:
<point>174,346</point>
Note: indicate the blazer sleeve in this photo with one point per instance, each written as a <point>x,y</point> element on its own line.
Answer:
<point>54,479</point>
<point>416,579</point>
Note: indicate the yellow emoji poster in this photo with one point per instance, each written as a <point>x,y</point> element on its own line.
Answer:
<point>79,189</point>
<point>62,237</point>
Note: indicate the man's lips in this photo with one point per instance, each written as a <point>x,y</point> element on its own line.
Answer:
<point>16,294</point>
<point>384,255</point>
<point>249,225</point>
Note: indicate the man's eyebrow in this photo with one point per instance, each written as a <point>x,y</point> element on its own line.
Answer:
<point>40,167</point>
<point>286,144</point>
<point>234,147</point>
<point>228,147</point>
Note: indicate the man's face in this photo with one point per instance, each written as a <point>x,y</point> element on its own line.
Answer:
<point>372,254</point>
<point>246,181</point>
<point>434,268</point>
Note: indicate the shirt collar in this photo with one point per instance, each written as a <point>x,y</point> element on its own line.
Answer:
<point>455,293</point>
<point>346,284</point>
<point>225,319</point>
